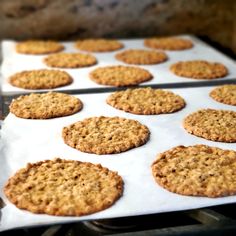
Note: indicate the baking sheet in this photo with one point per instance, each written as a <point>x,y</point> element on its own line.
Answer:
<point>26,141</point>
<point>14,62</point>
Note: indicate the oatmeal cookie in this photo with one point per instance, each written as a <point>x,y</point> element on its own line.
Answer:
<point>120,75</point>
<point>105,135</point>
<point>215,125</point>
<point>146,101</point>
<point>225,94</point>
<point>199,69</point>
<point>168,43</point>
<point>40,79</point>
<point>45,105</point>
<point>38,47</point>
<point>70,60</point>
<point>197,170</point>
<point>64,188</point>
<point>141,57</point>
<point>98,45</point>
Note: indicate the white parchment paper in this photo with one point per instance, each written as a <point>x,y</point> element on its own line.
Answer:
<point>24,141</point>
<point>14,62</point>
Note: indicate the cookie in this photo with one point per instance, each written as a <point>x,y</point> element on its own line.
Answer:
<point>225,94</point>
<point>197,170</point>
<point>70,60</point>
<point>120,75</point>
<point>98,45</point>
<point>105,135</point>
<point>37,47</point>
<point>168,43</point>
<point>141,57</point>
<point>45,105</point>
<point>215,125</point>
<point>199,69</point>
<point>64,188</point>
<point>146,101</point>
<point>40,79</point>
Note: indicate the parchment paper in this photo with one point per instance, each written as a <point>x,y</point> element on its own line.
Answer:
<point>14,62</point>
<point>26,141</point>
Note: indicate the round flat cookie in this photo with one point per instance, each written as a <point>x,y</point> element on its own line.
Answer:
<point>40,79</point>
<point>215,125</point>
<point>38,47</point>
<point>120,75</point>
<point>64,188</point>
<point>70,60</point>
<point>197,170</point>
<point>105,135</point>
<point>146,101</point>
<point>168,43</point>
<point>199,69</point>
<point>141,57</point>
<point>45,105</point>
<point>225,94</point>
<point>98,45</point>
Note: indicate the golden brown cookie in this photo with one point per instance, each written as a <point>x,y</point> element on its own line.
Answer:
<point>146,101</point>
<point>141,57</point>
<point>168,43</point>
<point>120,75</point>
<point>98,45</point>
<point>215,125</point>
<point>64,188</point>
<point>225,94</point>
<point>199,69</point>
<point>70,60</point>
<point>38,47</point>
<point>45,105</point>
<point>105,135</point>
<point>40,79</point>
<point>197,170</point>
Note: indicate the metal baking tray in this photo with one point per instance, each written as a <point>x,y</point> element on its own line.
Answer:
<point>26,141</point>
<point>14,62</point>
